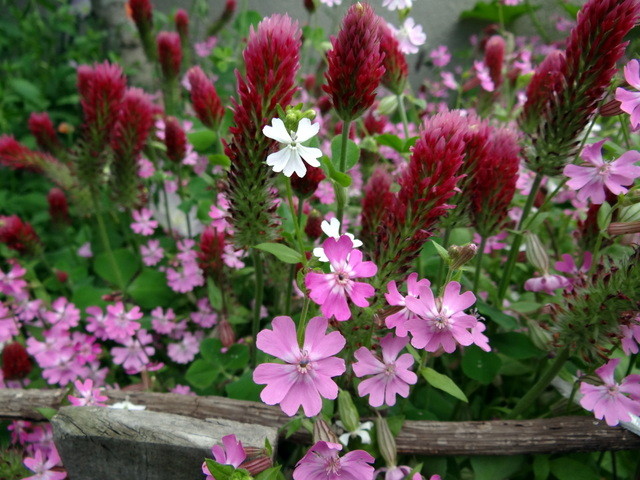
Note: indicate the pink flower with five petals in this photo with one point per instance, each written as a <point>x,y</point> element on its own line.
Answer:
<point>591,179</point>
<point>630,101</point>
<point>331,290</point>
<point>323,463</point>
<point>305,378</point>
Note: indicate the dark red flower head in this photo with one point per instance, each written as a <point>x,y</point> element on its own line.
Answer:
<point>375,202</point>
<point>18,235</point>
<point>181,19</point>
<point>310,5</point>
<point>355,63</point>
<point>494,58</point>
<point>175,139</point>
<point>212,242</point>
<point>41,127</point>
<point>169,54</point>
<point>204,98</point>
<point>142,12</point>
<point>16,363</point>
<point>134,123</point>
<point>227,335</point>
<point>14,155</point>
<point>395,63</point>
<point>307,185</point>
<point>313,227</point>
<point>58,206</point>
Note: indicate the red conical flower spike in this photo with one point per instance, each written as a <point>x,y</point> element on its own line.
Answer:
<point>395,64</point>
<point>204,98</point>
<point>494,58</point>
<point>181,19</point>
<point>18,235</point>
<point>169,54</point>
<point>41,127</point>
<point>58,206</point>
<point>375,202</point>
<point>175,139</point>
<point>142,14</point>
<point>211,245</point>
<point>16,363</point>
<point>355,66</point>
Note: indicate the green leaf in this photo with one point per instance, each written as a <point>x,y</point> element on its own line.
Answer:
<point>352,155</point>
<point>569,469</point>
<point>150,289</point>
<point>28,91</point>
<point>47,412</point>
<point>541,467</point>
<point>236,357</point>
<point>496,468</point>
<point>480,365</point>
<point>604,216</point>
<point>525,307</point>
<point>505,321</point>
<point>201,374</point>
<point>392,141</point>
<point>127,262</point>
<point>442,382</point>
<point>340,178</point>
<point>87,295</point>
<point>214,294</point>
<point>201,139</point>
<point>220,159</point>
<point>211,350</point>
<point>441,251</point>
<point>218,471</point>
<point>515,345</point>
<point>490,12</point>
<point>571,9</point>
<point>272,473</point>
<point>282,252</point>
<point>244,388</point>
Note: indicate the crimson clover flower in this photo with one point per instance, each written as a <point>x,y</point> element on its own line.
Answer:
<point>331,290</point>
<point>306,377</point>
<point>609,401</point>
<point>591,179</point>
<point>391,374</point>
<point>323,463</point>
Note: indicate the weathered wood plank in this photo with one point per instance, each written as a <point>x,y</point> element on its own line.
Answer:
<point>110,444</point>
<point>497,437</point>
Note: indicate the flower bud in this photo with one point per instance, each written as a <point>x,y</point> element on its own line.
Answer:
<point>41,127</point>
<point>226,333</point>
<point>181,20</point>
<point>18,235</point>
<point>16,363</point>
<point>611,108</point>
<point>142,14</point>
<point>169,54</point>
<point>62,276</point>
<point>310,5</point>
<point>461,255</point>
<point>494,58</point>
<point>175,139</point>
<point>322,432</point>
<point>204,98</point>
<point>623,228</point>
<point>58,207</point>
<point>386,442</point>
<point>313,228</point>
<point>536,253</point>
<point>348,411</point>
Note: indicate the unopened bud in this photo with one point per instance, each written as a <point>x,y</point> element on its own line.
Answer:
<point>256,464</point>
<point>386,442</point>
<point>540,337</point>
<point>611,108</point>
<point>226,333</point>
<point>310,5</point>
<point>462,254</point>
<point>536,253</point>
<point>322,432</point>
<point>16,363</point>
<point>348,411</point>
<point>623,228</point>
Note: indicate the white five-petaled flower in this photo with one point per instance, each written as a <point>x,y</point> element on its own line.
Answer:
<point>289,159</point>
<point>332,229</point>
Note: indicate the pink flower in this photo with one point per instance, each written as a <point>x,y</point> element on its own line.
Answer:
<point>205,316</point>
<point>65,315</point>
<point>186,350</point>
<point>134,355</point>
<point>399,319</point>
<point>183,390</point>
<point>96,322</point>
<point>42,466</point>
<point>631,335</point>
<point>85,250</point>
<point>409,35</point>
<point>493,243</point>
<point>306,377</point>
<point>323,463</point>
<point>146,168</point>
<point>630,101</point>
<point>590,180</point>
<point>397,4</point>
<point>121,324</point>
<point>441,322</point>
<point>391,376</point>
<point>186,279</point>
<point>547,283</point>
<point>163,323</point>
<point>440,56</point>
<point>12,283</point>
<point>482,72</point>
<point>609,401</point>
<point>152,253</point>
<point>89,396</point>
<point>330,290</point>
<point>203,49</point>
<point>232,454</point>
<point>143,224</point>
<point>8,324</point>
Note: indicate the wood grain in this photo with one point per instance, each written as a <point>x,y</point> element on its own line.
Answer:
<point>497,437</point>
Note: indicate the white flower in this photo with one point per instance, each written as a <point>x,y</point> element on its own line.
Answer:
<point>410,36</point>
<point>127,405</point>
<point>332,229</point>
<point>177,217</point>
<point>362,431</point>
<point>397,4</point>
<point>289,159</point>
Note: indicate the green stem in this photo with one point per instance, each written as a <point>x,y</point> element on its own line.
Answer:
<point>292,269</point>
<point>517,240</point>
<point>255,326</point>
<point>445,245</point>
<point>342,194</point>
<point>302,325</point>
<point>104,237</point>
<point>536,23</point>
<point>181,193</point>
<point>476,276</point>
<point>525,402</point>
<point>295,216</point>
<point>403,115</point>
<point>596,250</point>
<point>166,208</point>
